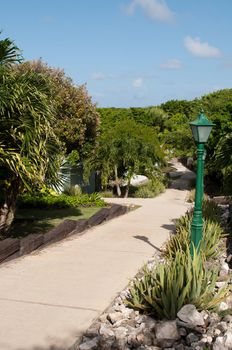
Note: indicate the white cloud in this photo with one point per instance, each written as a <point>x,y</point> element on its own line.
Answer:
<point>137,80</point>
<point>157,10</point>
<point>102,76</point>
<point>200,49</point>
<point>98,76</point>
<point>172,64</point>
<point>137,83</point>
<point>97,94</point>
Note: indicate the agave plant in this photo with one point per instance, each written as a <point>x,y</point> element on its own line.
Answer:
<point>163,290</point>
<point>210,243</point>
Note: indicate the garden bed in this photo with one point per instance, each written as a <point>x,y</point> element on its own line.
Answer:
<point>36,220</point>
<point>11,248</point>
<point>190,327</point>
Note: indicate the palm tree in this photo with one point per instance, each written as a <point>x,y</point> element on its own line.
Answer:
<point>222,161</point>
<point>30,153</point>
<point>223,152</point>
<point>9,52</point>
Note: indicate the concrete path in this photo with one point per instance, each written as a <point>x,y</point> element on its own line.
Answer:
<point>48,298</point>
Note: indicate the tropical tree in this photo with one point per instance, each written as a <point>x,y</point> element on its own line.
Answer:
<point>76,118</point>
<point>124,150</point>
<point>30,153</point>
<point>221,162</point>
<point>9,53</point>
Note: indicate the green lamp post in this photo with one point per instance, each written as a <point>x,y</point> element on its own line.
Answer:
<point>201,128</point>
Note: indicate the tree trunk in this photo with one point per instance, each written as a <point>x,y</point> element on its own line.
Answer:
<point>119,193</point>
<point>127,189</point>
<point>117,182</point>
<point>7,209</point>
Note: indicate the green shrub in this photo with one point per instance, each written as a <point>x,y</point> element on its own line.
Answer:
<point>41,200</point>
<point>191,196</point>
<point>163,290</point>
<point>184,222</point>
<point>107,194</point>
<point>211,211</point>
<point>150,190</point>
<point>144,192</point>
<point>73,190</point>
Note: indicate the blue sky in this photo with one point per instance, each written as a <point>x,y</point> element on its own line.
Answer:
<point>128,52</point>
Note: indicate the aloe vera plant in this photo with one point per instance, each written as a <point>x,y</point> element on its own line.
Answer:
<point>210,243</point>
<point>163,290</point>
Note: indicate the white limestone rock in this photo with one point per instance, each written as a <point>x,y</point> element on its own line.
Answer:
<point>113,317</point>
<point>223,306</point>
<point>189,314</point>
<point>166,333</point>
<point>90,344</point>
<point>228,339</point>
<point>106,332</point>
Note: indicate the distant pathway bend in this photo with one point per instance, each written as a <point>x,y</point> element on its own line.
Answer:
<point>48,298</point>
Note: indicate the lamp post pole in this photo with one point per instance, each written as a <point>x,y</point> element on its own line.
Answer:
<point>201,128</point>
<point>197,223</point>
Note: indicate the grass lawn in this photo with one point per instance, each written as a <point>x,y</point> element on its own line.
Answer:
<point>42,220</point>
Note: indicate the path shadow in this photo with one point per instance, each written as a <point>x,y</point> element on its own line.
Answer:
<point>146,240</point>
<point>74,346</point>
<point>170,227</point>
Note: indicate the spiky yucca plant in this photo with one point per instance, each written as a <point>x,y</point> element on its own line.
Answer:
<point>163,290</point>
<point>210,243</point>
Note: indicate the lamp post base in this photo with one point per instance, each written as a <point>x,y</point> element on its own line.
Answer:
<point>196,231</point>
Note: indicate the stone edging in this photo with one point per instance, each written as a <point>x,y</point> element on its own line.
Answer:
<point>11,248</point>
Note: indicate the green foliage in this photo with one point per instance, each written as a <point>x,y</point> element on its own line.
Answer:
<point>9,53</point>
<point>223,161</point>
<point>30,152</point>
<point>124,150</point>
<point>171,121</point>
<point>177,135</point>
<point>107,194</point>
<point>163,290</point>
<point>76,122</point>
<point>73,190</point>
<point>149,190</point>
<point>218,106</point>
<point>184,222</point>
<point>181,107</point>
<point>149,116</point>
<point>34,220</point>
<point>73,157</point>
<point>144,192</point>
<point>211,211</point>
<point>191,196</point>
<point>42,201</point>
<point>211,235</point>
<point>210,243</point>
<point>29,149</point>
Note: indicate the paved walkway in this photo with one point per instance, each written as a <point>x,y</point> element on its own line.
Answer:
<point>48,298</point>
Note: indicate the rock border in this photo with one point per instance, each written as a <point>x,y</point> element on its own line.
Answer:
<point>11,248</point>
<point>122,328</point>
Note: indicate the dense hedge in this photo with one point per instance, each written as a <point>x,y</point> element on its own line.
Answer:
<point>39,200</point>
